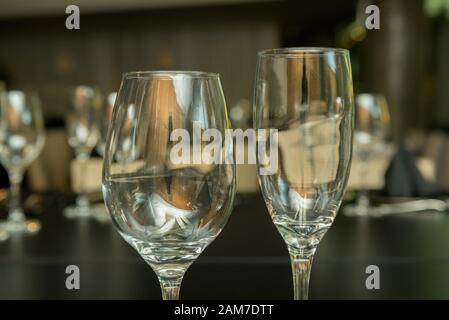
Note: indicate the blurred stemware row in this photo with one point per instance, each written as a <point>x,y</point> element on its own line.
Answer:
<point>22,138</point>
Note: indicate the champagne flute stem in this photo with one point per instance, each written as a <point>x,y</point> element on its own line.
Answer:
<point>301,267</point>
<point>15,211</point>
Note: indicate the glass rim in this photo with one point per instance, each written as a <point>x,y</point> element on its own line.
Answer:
<point>301,51</point>
<point>189,73</point>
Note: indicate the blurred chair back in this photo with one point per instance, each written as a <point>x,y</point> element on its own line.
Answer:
<point>433,149</point>
<point>50,171</point>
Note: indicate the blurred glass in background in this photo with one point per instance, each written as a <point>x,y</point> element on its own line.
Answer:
<point>83,135</point>
<point>22,136</point>
<point>372,121</point>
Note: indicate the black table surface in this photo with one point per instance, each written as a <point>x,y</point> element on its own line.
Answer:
<point>248,260</point>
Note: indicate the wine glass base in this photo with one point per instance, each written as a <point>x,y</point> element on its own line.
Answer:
<point>100,213</point>
<point>96,211</point>
<point>27,226</point>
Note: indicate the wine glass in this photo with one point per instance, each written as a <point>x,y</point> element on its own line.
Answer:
<point>372,120</point>
<point>304,116</point>
<point>22,137</point>
<point>169,202</point>
<point>82,134</point>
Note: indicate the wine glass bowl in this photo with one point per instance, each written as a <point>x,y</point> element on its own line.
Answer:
<point>305,95</point>
<point>371,124</point>
<point>22,137</point>
<point>168,210</point>
<point>81,125</point>
<point>21,129</point>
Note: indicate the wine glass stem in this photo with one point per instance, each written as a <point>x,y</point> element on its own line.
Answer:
<point>15,211</point>
<point>169,291</point>
<point>301,267</point>
<point>170,278</point>
<point>82,199</point>
<point>170,288</point>
<point>363,199</point>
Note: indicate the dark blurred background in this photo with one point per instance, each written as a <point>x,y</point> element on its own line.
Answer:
<point>406,60</point>
<point>119,36</point>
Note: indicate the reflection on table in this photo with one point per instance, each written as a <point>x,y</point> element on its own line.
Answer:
<point>247,261</point>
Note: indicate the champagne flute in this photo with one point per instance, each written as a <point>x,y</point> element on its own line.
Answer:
<point>372,120</point>
<point>304,115</point>
<point>168,210</point>
<point>82,134</point>
<point>22,137</point>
